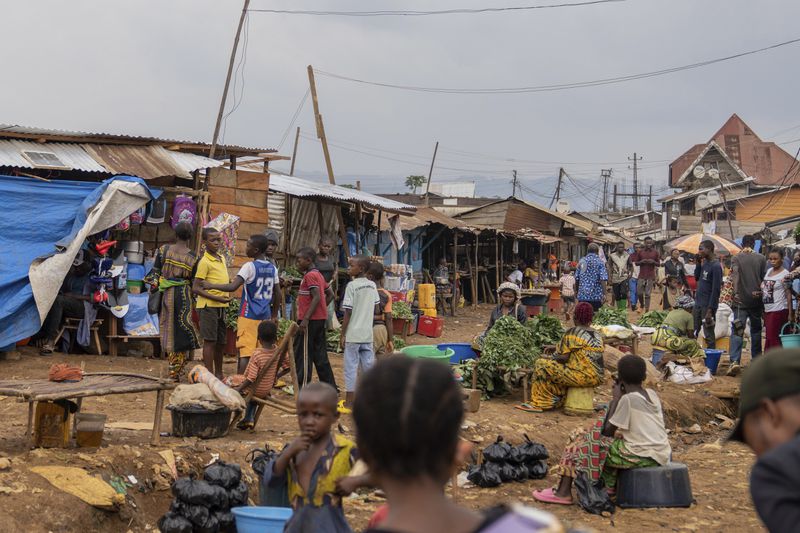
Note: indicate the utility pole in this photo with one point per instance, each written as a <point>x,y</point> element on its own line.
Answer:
<point>430,173</point>
<point>214,140</point>
<point>614,205</point>
<point>650,199</point>
<point>294,150</point>
<point>328,165</point>
<point>514,184</point>
<point>557,193</point>
<point>605,175</point>
<point>635,181</point>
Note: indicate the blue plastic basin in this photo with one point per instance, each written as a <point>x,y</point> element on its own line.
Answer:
<point>261,519</point>
<point>461,351</point>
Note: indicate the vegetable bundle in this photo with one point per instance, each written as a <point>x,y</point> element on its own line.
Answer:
<point>401,310</point>
<point>652,319</point>
<point>607,316</point>
<point>545,329</point>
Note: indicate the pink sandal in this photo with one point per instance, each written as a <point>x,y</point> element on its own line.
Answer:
<point>549,496</point>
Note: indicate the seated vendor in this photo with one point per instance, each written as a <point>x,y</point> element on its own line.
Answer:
<point>631,434</point>
<point>577,362</point>
<point>676,334</point>
<point>509,294</point>
<point>530,276</point>
<point>68,304</point>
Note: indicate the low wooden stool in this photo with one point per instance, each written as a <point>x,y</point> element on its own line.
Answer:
<point>579,401</point>
<point>72,325</point>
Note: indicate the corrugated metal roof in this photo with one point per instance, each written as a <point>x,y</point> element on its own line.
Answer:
<point>147,162</point>
<point>566,218</point>
<point>428,215</point>
<point>7,130</point>
<point>191,162</point>
<point>311,189</point>
<point>697,192</point>
<point>72,155</point>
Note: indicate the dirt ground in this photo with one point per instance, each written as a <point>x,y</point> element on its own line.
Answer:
<point>719,471</point>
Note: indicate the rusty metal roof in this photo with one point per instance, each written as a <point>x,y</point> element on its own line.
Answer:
<point>428,215</point>
<point>147,162</point>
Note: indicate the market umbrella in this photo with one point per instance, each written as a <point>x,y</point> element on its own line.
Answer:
<point>690,243</point>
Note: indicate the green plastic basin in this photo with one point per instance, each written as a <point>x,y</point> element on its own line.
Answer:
<point>428,352</point>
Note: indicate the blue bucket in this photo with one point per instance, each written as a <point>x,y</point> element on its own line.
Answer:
<point>789,340</point>
<point>261,519</point>
<point>712,359</point>
<point>657,355</point>
<point>461,351</point>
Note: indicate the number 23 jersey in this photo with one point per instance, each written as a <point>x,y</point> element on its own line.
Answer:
<point>260,278</point>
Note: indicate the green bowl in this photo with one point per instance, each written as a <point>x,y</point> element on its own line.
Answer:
<point>428,352</point>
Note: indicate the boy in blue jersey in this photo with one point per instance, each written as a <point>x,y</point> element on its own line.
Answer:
<point>260,295</point>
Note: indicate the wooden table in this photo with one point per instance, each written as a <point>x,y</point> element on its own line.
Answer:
<point>92,384</point>
<point>114,337</point>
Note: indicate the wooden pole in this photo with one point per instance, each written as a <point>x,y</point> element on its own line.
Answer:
<point>213,149</point>
<point>430,173</point>
<point>453,302</point>
<point>155,436</point>
<point>294,150</point>
<point>326,152</point>
<point>475,277</point>
<point>497,261</point>
<point>378,238</point>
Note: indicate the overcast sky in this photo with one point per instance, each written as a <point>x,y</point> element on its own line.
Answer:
<point>157,68</point>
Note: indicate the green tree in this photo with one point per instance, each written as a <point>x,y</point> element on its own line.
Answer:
<point>415,182</point>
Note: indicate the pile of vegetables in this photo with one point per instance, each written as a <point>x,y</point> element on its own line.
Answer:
<point>283,326</point>
<point>545,329</point>
<point>232,313</point>
<point>291,272</point>
<point>402,310</point>
<point>607,316</point>
<point>332,339</point>
<point>398,342</point>
<point>652,319</point>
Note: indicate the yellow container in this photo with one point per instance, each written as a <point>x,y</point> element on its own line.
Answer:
<point>51,426</point>
<point>722,343</point>
<point>579,401</point>
<point>431,312</point>
<point>426,292</point>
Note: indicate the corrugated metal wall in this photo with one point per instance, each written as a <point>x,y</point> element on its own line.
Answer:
<point>304,228</point>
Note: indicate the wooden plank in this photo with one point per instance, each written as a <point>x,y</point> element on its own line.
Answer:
<point>155,437</point>
<point>251,228</point>
<point>251,198</point>
<point>247,214</point>
<point>222,195</point>
<point>222,177</point>
<point>257,181</point>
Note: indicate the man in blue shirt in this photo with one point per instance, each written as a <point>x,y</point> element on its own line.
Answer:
<point>592,277</point>
<point>709,282</point>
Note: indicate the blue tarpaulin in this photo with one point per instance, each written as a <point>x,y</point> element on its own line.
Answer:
<point>40,218</point>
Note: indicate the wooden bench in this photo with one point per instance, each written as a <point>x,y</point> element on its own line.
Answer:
<point>72,324</point>
<point>114,338</point>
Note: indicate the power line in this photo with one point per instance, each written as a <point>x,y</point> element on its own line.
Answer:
<point>559,86</point>
<point>294,118</point>
<point>410,13</point>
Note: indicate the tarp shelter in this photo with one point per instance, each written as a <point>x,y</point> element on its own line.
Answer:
<point>43,225</point>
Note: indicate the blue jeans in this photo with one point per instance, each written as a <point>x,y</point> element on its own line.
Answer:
<point>632,295</point>
<point>737,342</point>
<point>355,354</point>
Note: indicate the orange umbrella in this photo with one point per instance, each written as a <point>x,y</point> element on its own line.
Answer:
<point>690,243</point>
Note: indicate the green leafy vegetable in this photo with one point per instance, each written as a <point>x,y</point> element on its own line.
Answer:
<point>401,310</point>
<point>292,272</point>
<point>398,342</point>
<point>545,329</point>
<point>332,339</point>
<point>283,326</point>
<point>232,314</point>
<point>652,319</point>
<point>611,315</point>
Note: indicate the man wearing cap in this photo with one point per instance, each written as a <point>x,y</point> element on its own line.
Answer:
<point>769,422</point>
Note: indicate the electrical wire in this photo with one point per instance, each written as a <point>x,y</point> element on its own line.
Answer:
<point>559,86</point>
<point>294,118</point>
<point>240,66</point>
<point>411,13</point>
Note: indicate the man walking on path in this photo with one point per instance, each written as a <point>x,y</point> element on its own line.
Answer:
<point>647,260</point>
<point>709,283</point>
<point>747,270</point>
<point>633,273</point>
<point>618,274</point>
<point>592,277</point>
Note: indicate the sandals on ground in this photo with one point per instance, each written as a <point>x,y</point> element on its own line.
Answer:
<point>528,408</point>
<point>550,496</point>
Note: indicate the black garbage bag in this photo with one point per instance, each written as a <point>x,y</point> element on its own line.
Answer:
<point>174,523</point>
<point>520,471</point>
<point>211,525</point>
<point>200,492</point>
<point>497,452</point>
<point>592,497</point>
<point>260,458</point>
<point>530,451</point>
<point>508,472</point>
<point>486,475</point>
<point>515,456</point>
<point>223,474</point>
<point>537,469</point>
<point>226,520</point>
<point>220,498</point>
<point>237,496</point>
<point>196,514</point>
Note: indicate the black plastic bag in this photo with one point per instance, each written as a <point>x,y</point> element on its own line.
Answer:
<point>260,458</point>
<point>223,474</point>
<point>196,514</point>
<point>211,525</point>
<point>530,451</point>
<point>508,472</point>
<point>520,472</point>
<point>486,475</point>
<point>237,496</point>
<point>199,492</point>
<point>537,469</point>
<point>515,456</point>
<point>174,523</point>
<point>226,520</point>
<point>592,497</point>
<point>220,500</point>
<point>497,452</point>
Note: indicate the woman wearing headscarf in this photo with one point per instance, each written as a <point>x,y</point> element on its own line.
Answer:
<point>508,295</point>
<point>676,333</point>
<point>577,362</point>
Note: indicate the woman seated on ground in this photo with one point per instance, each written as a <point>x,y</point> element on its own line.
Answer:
<point>631,434</point>
<point>676,334</point>
<point>577,362</point>
<point>508,294</point>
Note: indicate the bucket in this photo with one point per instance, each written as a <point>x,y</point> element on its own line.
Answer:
<point>790,340</point>
<point>712,359</point>
<point>261,519</point>
<point>461,351</point>
<point>89,429</point>
<point>579,401</point>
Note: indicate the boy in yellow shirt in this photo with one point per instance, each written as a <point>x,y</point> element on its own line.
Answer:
<point>212,304</point>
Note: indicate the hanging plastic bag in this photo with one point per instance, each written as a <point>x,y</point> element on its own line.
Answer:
<point>537,469</point>
<point>497,452</point>
<point>486,475</point>
<point>174,523</point>
<point>223,474</point>
<point>531,451</point>
<point>592,497</point>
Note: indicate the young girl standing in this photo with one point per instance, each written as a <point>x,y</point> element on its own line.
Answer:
<point>777,308</point>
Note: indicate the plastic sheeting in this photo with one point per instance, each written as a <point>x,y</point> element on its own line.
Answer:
<point>42,226</point>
